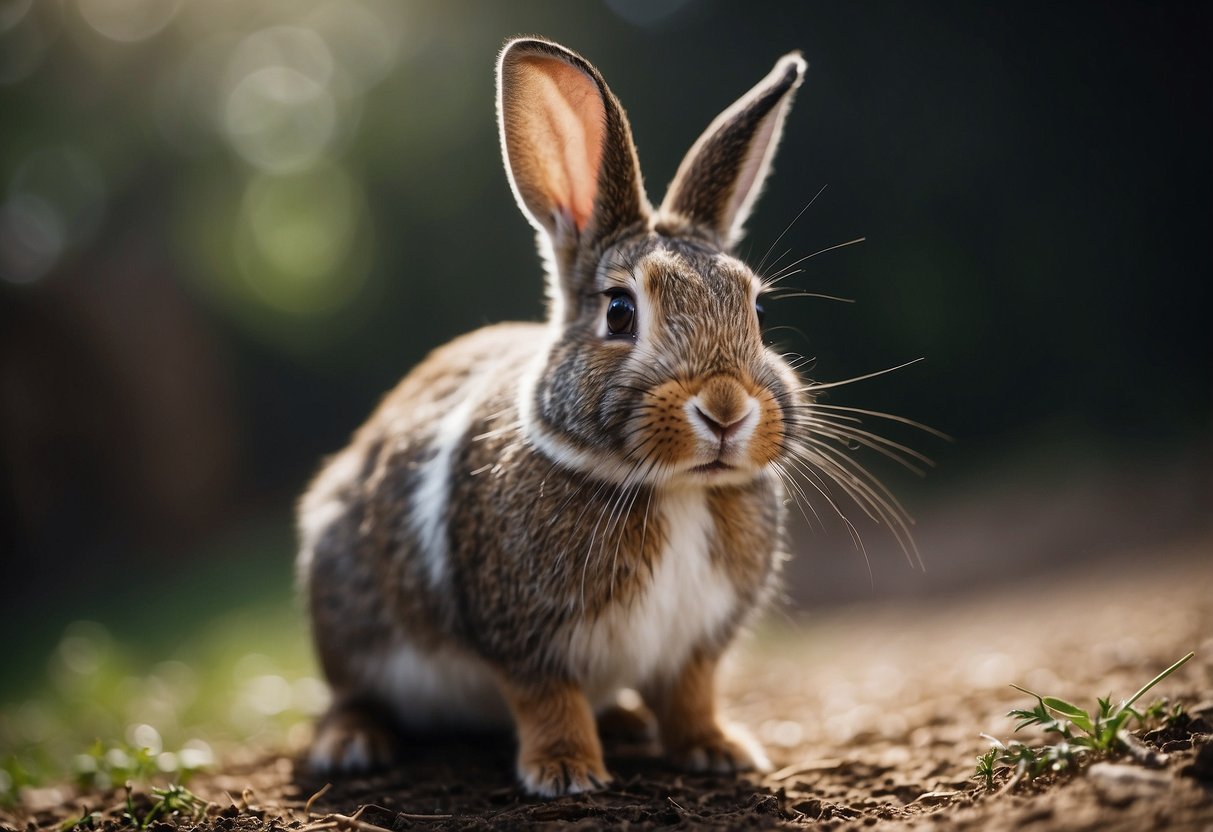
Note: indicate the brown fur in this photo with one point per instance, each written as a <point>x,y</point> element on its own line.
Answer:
<point>690,728</point>
<point>749,526</point>
<point>558,747</point>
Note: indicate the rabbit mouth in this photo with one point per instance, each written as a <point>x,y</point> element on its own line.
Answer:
<point>713,467</point>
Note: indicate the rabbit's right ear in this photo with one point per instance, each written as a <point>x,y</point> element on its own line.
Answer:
<point>567,146</point>
<point>722,174</point>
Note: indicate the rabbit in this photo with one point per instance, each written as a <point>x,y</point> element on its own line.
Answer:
<point>541,515</point>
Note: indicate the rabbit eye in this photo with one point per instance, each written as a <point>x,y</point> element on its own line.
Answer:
<point>621,315</point>
<point>761,313</point>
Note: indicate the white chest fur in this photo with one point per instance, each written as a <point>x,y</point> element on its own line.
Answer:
<point>684,604</point>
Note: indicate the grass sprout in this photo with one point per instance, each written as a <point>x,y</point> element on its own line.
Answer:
<point>173,801</point>
<point>169,804</point>
<point>1078,734</point>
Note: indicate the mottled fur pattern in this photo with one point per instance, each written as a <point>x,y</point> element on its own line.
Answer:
<point>542,515</point>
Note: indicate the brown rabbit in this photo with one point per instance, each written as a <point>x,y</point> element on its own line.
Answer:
<point>541,515</point>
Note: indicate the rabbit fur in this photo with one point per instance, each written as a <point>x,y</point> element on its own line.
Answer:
<point>541,515</point>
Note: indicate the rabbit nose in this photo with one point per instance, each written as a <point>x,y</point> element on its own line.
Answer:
<point>722,407</point>
<point>722,429</point>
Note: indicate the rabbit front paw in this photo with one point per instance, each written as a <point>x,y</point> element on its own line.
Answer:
<point>558,747</point>
<point>722,751</point>
<point>351,739</point>
<point>563,773</point>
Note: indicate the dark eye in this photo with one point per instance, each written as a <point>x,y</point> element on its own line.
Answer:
<point>761,313</point>
<point>621,315</point>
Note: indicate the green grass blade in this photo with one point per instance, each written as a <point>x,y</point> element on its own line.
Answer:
<point>1129,702</point>
<point>1034,695</point>
<point>1070,711</point>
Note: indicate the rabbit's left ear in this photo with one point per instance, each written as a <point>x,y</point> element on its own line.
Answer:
<point>722,174</point>
<point>567,144</point>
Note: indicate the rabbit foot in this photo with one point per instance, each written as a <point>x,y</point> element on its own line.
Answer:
<point>351,739</point>
<point>568,773</point>
<point>558,747</point>
<point>721,751</point>
<point>627,720</point>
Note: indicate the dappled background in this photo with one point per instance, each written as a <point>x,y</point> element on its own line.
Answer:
<point>227,227</point>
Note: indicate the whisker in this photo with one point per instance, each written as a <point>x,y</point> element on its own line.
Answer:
<point>814,386</point>
<point>882,415</point>
<point>799,497</point>
<point>788,228</point>
<point>875,493</point>
<point>797,293</point>
<point>853,442</point>
<point>864,477</point>
<point>856,538</point>
<point>784,273</point>
<point>876,442</point>
<point>797,330</point>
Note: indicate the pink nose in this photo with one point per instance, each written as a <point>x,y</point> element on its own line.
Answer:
<point>721,406</point>
<point>721,428</point>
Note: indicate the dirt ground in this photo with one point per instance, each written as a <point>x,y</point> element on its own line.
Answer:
<point>871,716</point>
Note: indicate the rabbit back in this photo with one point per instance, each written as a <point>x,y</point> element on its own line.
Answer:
<point>373,559</point>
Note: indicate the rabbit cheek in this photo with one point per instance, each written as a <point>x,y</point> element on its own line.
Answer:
<point>767,440</point>
<point>660,431</point>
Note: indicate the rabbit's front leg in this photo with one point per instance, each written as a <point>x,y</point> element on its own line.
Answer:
<point>558,747</point>
<point>690,728</point>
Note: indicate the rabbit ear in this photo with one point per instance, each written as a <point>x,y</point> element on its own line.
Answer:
<point>722,174</point>
<point>567,145</point>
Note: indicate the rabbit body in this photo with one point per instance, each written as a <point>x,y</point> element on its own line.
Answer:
<point>427,566</point>
<point>540,515</point>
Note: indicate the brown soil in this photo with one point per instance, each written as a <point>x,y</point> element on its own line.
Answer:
<point>872,716</point>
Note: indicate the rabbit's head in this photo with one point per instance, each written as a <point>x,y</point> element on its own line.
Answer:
<point>657,370</point>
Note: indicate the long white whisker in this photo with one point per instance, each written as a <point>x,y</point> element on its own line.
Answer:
<point>798,497</point>
<point>788,228</point>
<point>814,386</point>
<point>784,273</point>
<point>856,538</point>
<point>875,493</point>
<point>781,294</point>
<point>882,415</point>
<point>874,441</point>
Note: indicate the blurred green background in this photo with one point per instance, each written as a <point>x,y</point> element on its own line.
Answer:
<point>227,227</point>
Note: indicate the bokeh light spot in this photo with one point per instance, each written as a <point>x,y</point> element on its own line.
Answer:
<point>279,119</point>
<point>646,12</point>
<point>269,694</point>
<point>128,21</point>
<point>55,199</point>
<point>311,696</point>
<point>294,47</point>
<point>21,50</point>
<point>145,736</point>
<point>195,754</point>
<point>31,238</point>
<point>12,12</point>
<point>366,45</point>
<point>296,235</point>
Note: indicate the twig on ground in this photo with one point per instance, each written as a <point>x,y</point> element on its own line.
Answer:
<point>804,767</point>
<point>307,807</point>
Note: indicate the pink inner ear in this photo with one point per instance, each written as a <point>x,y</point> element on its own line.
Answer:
<point>555,134</point>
